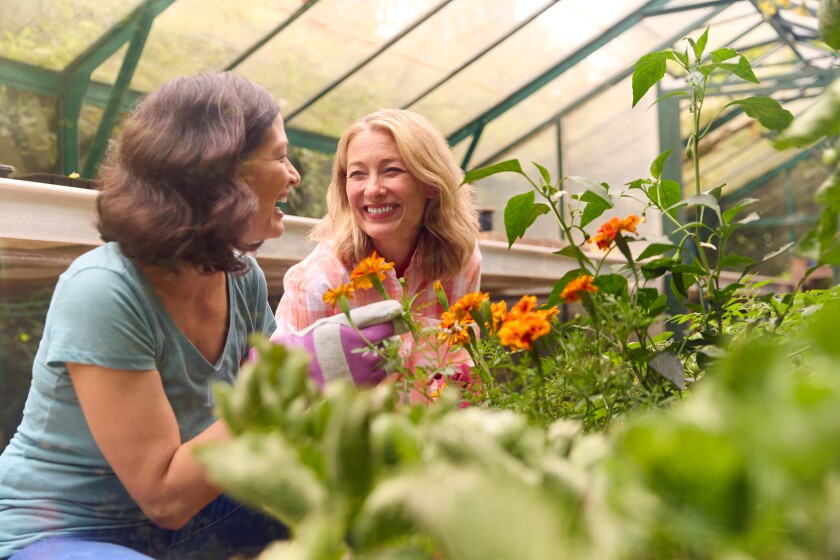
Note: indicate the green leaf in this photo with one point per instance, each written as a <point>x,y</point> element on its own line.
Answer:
<point>730,213</point>
<point>742,69</point>
<point>828,17</point>
<point>706,200</point>
<point>831,255</point>
<point>682,58</point>
<point>520,213</point>
<point>621,243</point>
<point>614,284</point>
<point>557,289</point>
<point>666,195</point>
<point>825,229</point>
<point>734,261</point>
<point>574,252</point>
<point>720,55</point>
<point>482,172</point>
<point>657,267</point>
<point>656,249</point>
<point>700,45</point>
<point>765,110</point>
<point>595,206</point>
<point>638,183</point>
<point>546,176</point>
<point>658,163</point>
<point>778,251</point>
<point>265,471</point>
<point>816,122</point>
<point>670,367</point>
<point>649,69</point>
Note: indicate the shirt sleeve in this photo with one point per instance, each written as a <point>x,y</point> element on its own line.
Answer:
<point>302,303</point>
<point>97,318</point>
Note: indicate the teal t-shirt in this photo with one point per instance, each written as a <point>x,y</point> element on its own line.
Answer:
<point>53,478</point>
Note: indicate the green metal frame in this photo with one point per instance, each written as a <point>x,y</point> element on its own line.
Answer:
<point>118,94</point>
<point>780,31</point>
<point>546,77</point>
<point>600,88</point>
<point>271,34</point>
<point>480,53</point>
<point>72,86</point>
<point>312,100</point>
<point>74,78</point>
<point>759,181</point>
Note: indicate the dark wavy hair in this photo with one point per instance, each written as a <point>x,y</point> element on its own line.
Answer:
<point>171,192</point>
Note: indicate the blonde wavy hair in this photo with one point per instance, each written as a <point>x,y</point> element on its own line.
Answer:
<point>449,231</point>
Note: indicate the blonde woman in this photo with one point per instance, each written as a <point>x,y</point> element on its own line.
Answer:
<point>396,190</point>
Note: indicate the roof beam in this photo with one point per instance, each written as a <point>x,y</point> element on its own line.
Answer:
<point>780,30</point>
<point>600,88</point>
<point>270,35</point>
<point>481,53</point>
<point>546,77</point>
<point>308,103</point>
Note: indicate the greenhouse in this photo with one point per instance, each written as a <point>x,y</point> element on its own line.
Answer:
<point>646,369</point>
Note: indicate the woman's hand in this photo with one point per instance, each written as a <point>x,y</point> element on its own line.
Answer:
<point>339,350</point>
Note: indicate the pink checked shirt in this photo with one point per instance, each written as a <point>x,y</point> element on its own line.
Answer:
<point>306,283</point>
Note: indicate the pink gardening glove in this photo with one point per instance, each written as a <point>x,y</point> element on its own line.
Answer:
<point>337,350</point>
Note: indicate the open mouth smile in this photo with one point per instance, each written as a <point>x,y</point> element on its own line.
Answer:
<point>379,210</point>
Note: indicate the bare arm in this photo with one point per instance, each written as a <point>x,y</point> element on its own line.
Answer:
<point>136,429</point>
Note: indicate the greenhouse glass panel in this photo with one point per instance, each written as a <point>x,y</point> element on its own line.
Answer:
<point>761,35</point>
<point>606,140</point>
<point>212,37</point>
<point>578,83</point>
<point>423,58</point>
<point>52,33</point>
<point>495,191</point>
<point>559,32</point>
<point>738,152</point>
<point>327,42</point>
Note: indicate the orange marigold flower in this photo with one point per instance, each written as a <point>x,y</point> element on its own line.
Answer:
<point>471,302</point>
<point>520,334</point>
<point>525,323</point>
<point>525,305</point>
<point>498,313</point>
<point>607,232</point>
<point>455,329</point>
<point>580,284</point>
<point>333,294</point>
<point>372,266</point>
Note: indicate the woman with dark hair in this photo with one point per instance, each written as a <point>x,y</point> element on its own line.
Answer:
<point>140,327</point>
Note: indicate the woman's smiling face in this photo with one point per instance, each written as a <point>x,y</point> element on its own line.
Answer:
<point>271,175</point>
<point>387,201</point>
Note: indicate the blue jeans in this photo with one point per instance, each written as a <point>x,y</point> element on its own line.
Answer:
<point>224,528</point>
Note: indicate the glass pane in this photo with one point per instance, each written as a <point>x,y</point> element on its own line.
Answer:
<point>495,191</point>
<point>421,59</point>
<point>740,151</point>
<point>606,140</point>
<point>556,34</point>
<point>577,83</point>
<point>204,38</point>
<point>51,33</point>
<point>325,43</point>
